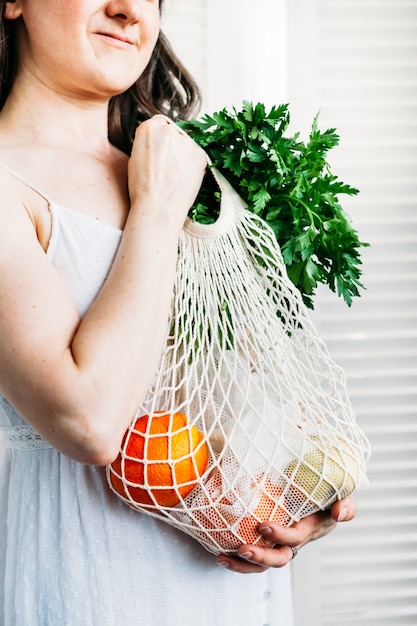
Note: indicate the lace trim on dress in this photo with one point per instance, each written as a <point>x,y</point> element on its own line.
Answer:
<point>23,438</point>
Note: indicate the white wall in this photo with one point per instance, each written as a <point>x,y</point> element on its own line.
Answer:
<point>236,49</point>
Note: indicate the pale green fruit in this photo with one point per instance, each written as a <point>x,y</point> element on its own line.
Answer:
<point>327,472</point>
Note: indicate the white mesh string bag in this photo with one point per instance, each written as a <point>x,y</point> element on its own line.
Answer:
<point>245,365</point>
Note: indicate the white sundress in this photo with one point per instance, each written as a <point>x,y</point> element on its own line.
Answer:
<point>71,552</point>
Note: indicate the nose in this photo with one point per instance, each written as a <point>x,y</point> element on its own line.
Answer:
<point>125,10</point>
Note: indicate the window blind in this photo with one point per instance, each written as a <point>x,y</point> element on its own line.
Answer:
<point>357,62</point>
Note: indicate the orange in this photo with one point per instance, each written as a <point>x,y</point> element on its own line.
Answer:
<point>267,509</point>
<point>218,523</point>
<point>161,459</point>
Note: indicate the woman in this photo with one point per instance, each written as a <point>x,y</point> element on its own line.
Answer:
<point>90,214</point>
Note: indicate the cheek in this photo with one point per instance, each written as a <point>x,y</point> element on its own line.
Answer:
<point>149,37</point>
<point>151,23</point>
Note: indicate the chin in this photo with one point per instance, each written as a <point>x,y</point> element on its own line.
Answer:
<point>115,82</point>
<point>104,93</point>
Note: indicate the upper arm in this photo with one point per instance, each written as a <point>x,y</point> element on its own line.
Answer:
<point>37,315</point>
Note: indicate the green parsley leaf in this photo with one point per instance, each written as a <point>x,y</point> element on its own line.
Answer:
<point>290,185</point>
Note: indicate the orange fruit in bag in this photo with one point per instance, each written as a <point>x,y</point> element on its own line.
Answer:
<point>267,509</point>
<point>219,519</point>
<point>161,460</point>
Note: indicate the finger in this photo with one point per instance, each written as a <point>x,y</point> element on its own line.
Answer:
<point>276,557</point>
<point>344,510</point>
<point>239,565</point>
<point>160,116</point>
<point>300,533</point>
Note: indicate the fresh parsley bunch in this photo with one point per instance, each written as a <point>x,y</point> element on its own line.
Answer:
<point>289,184</point>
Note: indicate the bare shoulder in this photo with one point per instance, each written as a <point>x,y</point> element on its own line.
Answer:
<point>22,211</point>
<point>90,184</point>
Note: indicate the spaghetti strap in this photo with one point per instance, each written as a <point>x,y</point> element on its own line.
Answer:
<point>25,182</point>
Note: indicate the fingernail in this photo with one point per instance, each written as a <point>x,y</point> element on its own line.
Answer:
<point>342,515</point>
<point>223,563</point>
<point>265,530</point>
<point>246,555</point>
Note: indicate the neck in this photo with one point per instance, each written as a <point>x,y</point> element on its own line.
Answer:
<point>43,117</point>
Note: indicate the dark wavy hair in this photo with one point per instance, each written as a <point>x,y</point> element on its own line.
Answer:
<point>165,87</point>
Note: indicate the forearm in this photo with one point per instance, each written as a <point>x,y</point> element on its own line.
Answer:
<point>118,344</point>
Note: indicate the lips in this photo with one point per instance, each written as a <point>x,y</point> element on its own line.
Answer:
<point>118,37</point>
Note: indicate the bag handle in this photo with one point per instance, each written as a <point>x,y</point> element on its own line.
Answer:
<point>229,201</point>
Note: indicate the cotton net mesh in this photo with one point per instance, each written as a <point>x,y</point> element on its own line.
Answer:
<point>268,432</point>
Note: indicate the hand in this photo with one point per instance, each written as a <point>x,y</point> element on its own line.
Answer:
<point>165,171</point>
<point>254,559</point>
